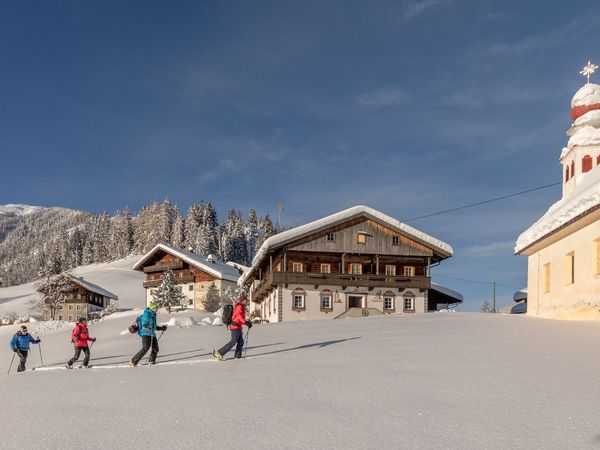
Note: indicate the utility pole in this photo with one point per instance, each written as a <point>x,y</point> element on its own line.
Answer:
<point>494,306</point>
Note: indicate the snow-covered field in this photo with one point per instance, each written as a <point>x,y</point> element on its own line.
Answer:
<point>425,381</point>
<point>116,277</point>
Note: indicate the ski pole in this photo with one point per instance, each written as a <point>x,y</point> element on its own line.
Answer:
<point>11,363</point>
<point>246,344</point>
<point>163,332</point>
<point>41,359</point>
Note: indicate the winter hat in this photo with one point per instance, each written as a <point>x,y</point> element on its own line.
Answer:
<point>153,305</point>
<point>81,319</point>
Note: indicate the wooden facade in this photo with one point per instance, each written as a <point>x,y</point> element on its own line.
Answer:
<point>358,257</point>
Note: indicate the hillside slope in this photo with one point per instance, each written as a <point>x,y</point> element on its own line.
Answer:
<point>452,381</point>
<point>116,277</point>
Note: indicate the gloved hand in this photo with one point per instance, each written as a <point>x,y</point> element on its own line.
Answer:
<point>93,339</point>
<point>38,338</point>
<point>248,324</point>
<point>15,350</point>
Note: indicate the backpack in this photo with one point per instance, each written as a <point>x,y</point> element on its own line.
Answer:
<point>227,314</point>
<point>136,327</point>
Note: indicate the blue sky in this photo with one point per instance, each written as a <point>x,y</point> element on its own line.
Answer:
<point>409,107</point>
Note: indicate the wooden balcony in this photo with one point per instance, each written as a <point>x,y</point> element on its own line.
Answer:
<point>161,267</point>
<point>180,280</point>
<point>272,279</point>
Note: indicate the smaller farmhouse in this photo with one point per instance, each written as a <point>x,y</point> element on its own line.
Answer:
<point>195,273</point>
<point>87,300</point>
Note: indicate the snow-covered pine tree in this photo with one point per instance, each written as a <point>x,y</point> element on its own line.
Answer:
<point>87,256</point>
<point>100,238</point>
<point>165,222</point>
<point>169,294</point>
<point>212,300</point>
<point>486,307</point>
<point>178,233</point>
<point>151,226</point>
<point>265,225</point>
<point>122,234</point>
<point>55,291</point>
<point>192,224</point>
<point>251,233</point>
<point>209,218</point>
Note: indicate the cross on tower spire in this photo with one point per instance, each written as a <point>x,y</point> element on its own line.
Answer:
<point>588,70</point>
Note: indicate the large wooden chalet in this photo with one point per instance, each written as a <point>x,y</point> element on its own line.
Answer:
<point>195,273</point>
<point>354,263</point>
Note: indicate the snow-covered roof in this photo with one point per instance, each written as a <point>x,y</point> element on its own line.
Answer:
<point>242,268</point>
<point>90,286</point>
<point>582,199</point>
<point>589,94</point>
<point>447,291</point>
<point>209,263</point>
<point>273,242</point>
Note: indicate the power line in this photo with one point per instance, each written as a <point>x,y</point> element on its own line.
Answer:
<point>483,202</point>
<point>490,283</point>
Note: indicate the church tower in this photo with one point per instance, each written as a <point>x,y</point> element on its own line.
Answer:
<point>582,153</point>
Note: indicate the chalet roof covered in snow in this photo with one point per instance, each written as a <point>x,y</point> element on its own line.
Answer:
<point>439,247</point>
<point>90,286</point>
<point>447,291</point>
<point>209,264</point>
<point>579,202</point>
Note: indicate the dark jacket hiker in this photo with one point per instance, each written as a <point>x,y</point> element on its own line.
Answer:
<point>20,345</point>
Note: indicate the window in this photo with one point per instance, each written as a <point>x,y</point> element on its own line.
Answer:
<point>330,237</point>
<point>409,271</point>
<point>586,164</point>
<point>70,308</point>
<point>395,240</point>
<point>569,268</point>
<point>409,304</point>
<point>296,267</point>
<point>546,279</point>
<point>298,301</point>
<point>179,288</point>
<point>325,268</point>
<point>567,174</point>
<point>59,317</point>
<point>362,238</point>
<point>388,302</point>
<point>326,302</point>
<point>191,287</point>
<point>190,302</point>
<point>572,169</point>
<point>597,242</point>
<point>355,269</point>
<point>598,160</point>
<point>70,318</point>
<point>390,271</point>
<point>78,307</point>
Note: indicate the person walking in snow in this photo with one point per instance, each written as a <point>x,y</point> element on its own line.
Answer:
<point>20,345</point>
<point>238,319</point>
<point>148,333</point>
<point>80,338</point>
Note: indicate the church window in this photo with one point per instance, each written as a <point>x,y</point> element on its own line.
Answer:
<point>572,169</point>
<point>586,164</point>
<point>567,174</point>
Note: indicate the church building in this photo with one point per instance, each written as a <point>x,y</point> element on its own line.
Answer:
<point>563,246</point>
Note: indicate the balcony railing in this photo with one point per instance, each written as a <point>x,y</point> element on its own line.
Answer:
<point>343,280</point>
<point>180,280</point>
<point>160,267</point>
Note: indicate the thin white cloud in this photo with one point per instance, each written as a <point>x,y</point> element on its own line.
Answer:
<point>492,249</point>
<point>384,97</point>
<point>414,8</point>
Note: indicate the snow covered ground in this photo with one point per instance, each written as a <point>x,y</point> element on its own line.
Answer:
<point>462,380</point>
<point>116,277</point>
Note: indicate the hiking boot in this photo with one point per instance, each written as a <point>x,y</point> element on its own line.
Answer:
<point>131,364</point>
<point>151,363</point>
<point>217,355</point>
<point>68,366</point>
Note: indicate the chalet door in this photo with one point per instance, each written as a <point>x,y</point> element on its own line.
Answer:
<point>355,301</point>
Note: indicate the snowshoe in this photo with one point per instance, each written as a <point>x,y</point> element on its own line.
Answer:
<point>217,355</point>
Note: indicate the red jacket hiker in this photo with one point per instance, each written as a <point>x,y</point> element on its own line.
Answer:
<point>81,336</point>
<point>238,317</point>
